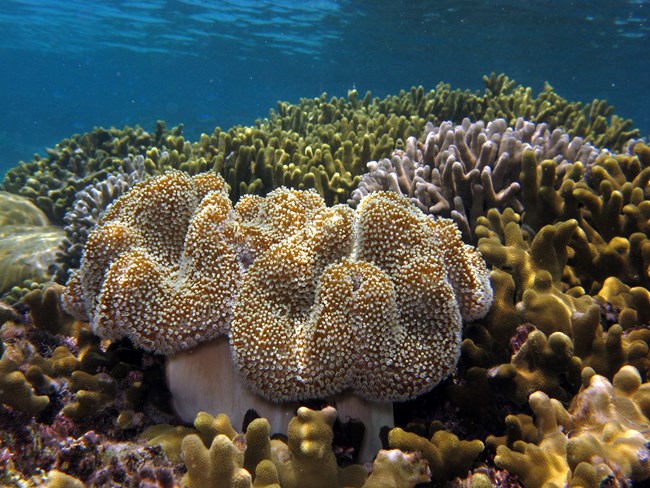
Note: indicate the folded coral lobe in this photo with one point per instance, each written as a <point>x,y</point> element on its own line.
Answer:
<point>381,317</point>
<point>161,268</point>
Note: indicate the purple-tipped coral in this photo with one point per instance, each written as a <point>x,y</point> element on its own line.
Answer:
<point>460,171</point>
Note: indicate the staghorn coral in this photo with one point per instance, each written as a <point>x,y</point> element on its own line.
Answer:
<point>605,258</point>
<point>325,144</point>
<point>460,171</point>
<point>170,239</point>
<point>386,271</point>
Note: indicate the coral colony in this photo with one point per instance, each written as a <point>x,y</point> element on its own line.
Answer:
<point>435,287</point>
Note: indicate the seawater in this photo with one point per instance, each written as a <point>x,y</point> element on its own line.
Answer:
<point>68,66</point>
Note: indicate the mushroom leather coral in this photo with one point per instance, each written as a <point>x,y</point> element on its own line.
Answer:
<point>323,300</point>
<point>161,267</point>
<point>371,301</point>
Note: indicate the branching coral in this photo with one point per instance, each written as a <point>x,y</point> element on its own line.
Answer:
<point>318,143</point>
<point>447,456</point>
<point>459,171</point>
<point>608,425</point>
<point>76,162</point>
<point>217,455</point>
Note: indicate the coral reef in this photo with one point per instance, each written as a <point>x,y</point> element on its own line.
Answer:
<point>217,455</point>
<point>553,380</point>
<point>460,171</point>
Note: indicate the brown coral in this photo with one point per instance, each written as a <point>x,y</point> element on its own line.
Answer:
<point>161,267</point>
<point>370,302</point>
<point>606,426</point>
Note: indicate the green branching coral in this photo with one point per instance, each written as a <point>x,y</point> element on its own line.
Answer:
<point>595,121</point>
<point>318,143</point>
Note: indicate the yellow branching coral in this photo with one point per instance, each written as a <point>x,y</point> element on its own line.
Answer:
<point>447,455</point>
<point>161,267</point>
<point>606,426</point>
<point>371,301</point>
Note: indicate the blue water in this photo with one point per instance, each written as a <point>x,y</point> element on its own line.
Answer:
<point>68,66</point>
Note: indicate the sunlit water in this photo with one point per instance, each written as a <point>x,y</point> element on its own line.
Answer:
<point>68,66</point>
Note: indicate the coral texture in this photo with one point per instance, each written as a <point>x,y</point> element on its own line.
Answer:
<point>371,301</point>
<point>162,267</point>
<point>459,171</point>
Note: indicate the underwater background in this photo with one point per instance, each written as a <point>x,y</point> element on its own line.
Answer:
<point>68,66</point>
<point>324,244</point>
